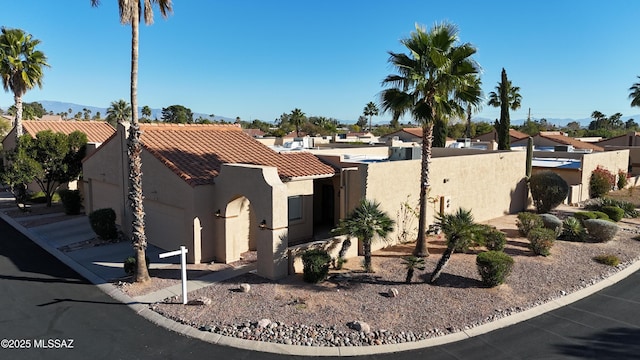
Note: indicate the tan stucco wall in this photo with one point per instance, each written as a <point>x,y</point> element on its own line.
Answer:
<point>302,229</point>
<point>610,160</point>
<point>491,184</point>
<point>634,157</point>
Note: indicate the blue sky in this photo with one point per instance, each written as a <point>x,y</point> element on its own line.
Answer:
<point>258,59</point>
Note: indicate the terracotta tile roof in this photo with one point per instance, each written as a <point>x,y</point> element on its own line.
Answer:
<point>97,131</point>
<point>570,141</point>
<point>517,134</point>
<point>196,152</point>
<point>253,132</point>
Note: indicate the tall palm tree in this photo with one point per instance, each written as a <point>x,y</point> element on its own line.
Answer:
<point>297,118</point>
<point>118,112</point>
<point>366,222</point>
<point>130,11</point>
<point>634,94</point>
<point>476,84</point>
<point>371,110</point>
<point>505,97</point>
<point>21,67</point>
<point>432,80</point>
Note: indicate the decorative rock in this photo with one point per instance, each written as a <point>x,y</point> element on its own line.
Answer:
<point>393,292</point>
<point>244,287</point>
<point>264,323</point>
<point>361,326</point>
<point>200,301</point>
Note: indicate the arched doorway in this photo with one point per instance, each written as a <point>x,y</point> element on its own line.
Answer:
<point>240,228</point>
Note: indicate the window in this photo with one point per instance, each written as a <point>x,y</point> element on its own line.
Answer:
<point>295,207</point>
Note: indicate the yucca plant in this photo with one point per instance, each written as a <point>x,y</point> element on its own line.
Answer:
<point>412,263</point>
<point>572,230</point>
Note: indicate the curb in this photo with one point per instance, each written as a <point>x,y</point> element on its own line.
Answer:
<point>142,309</point>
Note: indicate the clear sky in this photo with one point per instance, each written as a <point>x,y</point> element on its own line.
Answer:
<point>258,59</point>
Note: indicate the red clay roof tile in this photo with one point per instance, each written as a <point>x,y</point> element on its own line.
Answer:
<point>196,152</point>
<point>96,131</point>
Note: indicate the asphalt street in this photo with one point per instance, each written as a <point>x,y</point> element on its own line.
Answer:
<point>51,312</point>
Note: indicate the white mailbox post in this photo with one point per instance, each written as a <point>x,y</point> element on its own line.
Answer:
<point>183,266</point>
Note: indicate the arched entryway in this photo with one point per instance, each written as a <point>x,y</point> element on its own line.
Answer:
<point>240,229</point>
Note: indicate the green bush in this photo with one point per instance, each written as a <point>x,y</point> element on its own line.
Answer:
<point>315,265</point>
<point>548,190</point>
<point>572,230</point>
<point>494,239</point>
<point>552,222</point>
<point>600,182</point>
<point>40,198</point>
<point>528,221</point>
<point>131,263</point>
<point>541,241</point>
<point>586,215</point>
<point>71,201</point>
<point>601,230</point>
<point>622,179</point>
<point>597,205</point>
<point>613,212</point>
<point>494,267</point>
<point>608,259</point>
<point>103,223</point>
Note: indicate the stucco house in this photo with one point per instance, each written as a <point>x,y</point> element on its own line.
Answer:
<point>514,136</point>
<point>552,139</point>
<point>217,191</point>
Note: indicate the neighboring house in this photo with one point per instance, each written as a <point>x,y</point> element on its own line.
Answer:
<point>553,139</point>
<point>48,117</point>
<point>97,131</point>
<point>217,191</point>
<point>629,141</point>
<point>514,136</point>
<point>255,133</point>
<point>409,135</point>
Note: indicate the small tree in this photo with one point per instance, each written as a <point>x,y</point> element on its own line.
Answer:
<point>601,182</point>
<point>366,222</point>
<point>50,159</point>
<point>412,263</point>
<point>548,190</point>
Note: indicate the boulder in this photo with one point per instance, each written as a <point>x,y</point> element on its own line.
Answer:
<point>244,287</point>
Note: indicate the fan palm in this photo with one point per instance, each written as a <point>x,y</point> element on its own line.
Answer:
<point>130,11</point>
<point>505,97</point>
<point>21,67</point>
<point>460,231</point>
<point>366,222</point>
<point>433,80</point>
<point>118,112</point>
<point>297,118</point>
<point>634,94</point>
<point>370,110</point>
<point>412,263</point>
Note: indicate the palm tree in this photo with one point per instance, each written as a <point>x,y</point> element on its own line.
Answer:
<point>471,106</point>
<point>118,112</point>
<point>460,231</point>
<point>634,94</point>
<point>130,14</point>
<point>412,263</point>
<point>505,97</point>
<point>21,67</point>
<point>146,111</point>
<point>370,110</point>
<point>297,118</point>
<point>431,82</point>
<point>366,222</point>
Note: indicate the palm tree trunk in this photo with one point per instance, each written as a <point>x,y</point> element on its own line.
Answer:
<point>367,255</point>
<point>409,275</point>
<point>18,121</point>
<point>446,255</point>
<point>135,163</point>
<point>421,249</point>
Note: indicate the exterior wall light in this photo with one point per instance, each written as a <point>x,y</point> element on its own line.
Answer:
<point>263,224</point>
<point>218,213</point>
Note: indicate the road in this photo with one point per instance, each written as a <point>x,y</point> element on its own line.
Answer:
<point>46,304</point>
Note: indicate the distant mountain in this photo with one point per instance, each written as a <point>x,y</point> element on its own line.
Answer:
<point>58,107</point>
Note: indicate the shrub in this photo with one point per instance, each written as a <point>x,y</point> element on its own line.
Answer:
<point>315,265</point>
<point>552,222</point>
<point>541,241</point>
<point>494,267</point>
<point>601,230</point>
<point>131,263</point>
<point>71,201</point>
<point>613,212</point>
<point>548,190</point>
<point>40,198</point>
<point>600,182</point>
<point>528,221</point>
<point>103,223</point>
<point>494,239</point>
<point>572,230</point>
<point>597,205</point>
<point>608,259</point>
<point>622,179</point>
<point>586,215</point>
